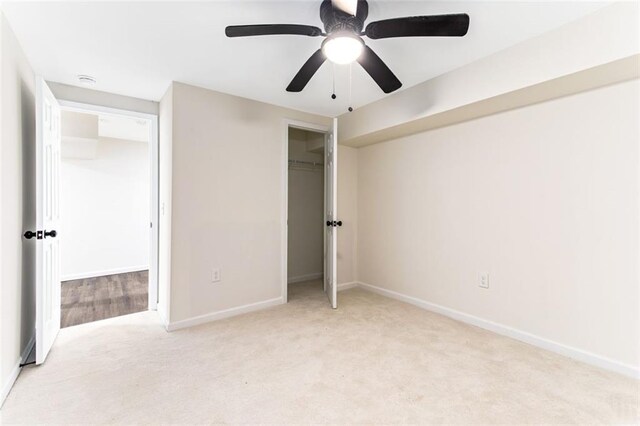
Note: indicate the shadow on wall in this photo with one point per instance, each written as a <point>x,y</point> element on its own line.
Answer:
<point>28,293</point>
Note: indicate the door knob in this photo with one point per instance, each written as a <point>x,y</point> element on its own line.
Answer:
<point>328,223</point>
<point>29,235</point>
<point>337,223</point>
<point>38,235</point>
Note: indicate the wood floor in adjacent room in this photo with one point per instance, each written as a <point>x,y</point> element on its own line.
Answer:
<point>98,298</point>
<point>373,360</point>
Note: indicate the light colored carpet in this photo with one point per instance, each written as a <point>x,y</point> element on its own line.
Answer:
<point>374,360</point>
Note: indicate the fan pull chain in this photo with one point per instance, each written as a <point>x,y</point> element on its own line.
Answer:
<point>350,86</point>
<point>333,92</point>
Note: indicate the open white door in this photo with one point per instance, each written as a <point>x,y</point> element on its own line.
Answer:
<point>331,214</point>
<point>47,220</point>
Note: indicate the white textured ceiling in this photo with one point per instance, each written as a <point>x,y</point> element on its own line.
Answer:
<point>138,48</point>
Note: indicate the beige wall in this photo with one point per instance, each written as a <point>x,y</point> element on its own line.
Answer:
<point>108,194</point>
<point>17,139</point>
<point>543,198</point>
<point>227,200</point>
<point>305,230</point>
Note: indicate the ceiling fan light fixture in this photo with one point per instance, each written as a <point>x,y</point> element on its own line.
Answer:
<point>342,48</point>
<point>344,27</point>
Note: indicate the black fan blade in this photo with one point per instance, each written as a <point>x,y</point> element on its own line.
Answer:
<point>272,29</point>
<point>379,71</point>
<point>420,26</point>
<point>307,71</point>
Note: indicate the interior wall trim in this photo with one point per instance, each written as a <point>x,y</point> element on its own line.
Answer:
<point>532,339</point>
<point>226,313</point>
<point>347,286</point>
<point>115,271</point>
<point>15,372</point>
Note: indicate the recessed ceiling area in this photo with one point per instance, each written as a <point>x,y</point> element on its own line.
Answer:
<point>88,125</point>
<point>83,131</point>
<point>125,128</point>
<point>138,48</point>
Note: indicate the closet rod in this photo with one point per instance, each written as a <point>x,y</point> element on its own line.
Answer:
<point>305,163</point>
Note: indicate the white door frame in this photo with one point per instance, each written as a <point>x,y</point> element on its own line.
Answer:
<point>302,125</point>
<point>155,187</point>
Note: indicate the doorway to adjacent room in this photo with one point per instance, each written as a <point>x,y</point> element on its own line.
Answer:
<point>105,198</point>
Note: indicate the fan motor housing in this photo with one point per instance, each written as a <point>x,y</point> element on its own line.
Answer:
<point>337,20</point>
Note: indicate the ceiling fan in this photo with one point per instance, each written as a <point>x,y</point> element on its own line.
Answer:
<point>343,34</point>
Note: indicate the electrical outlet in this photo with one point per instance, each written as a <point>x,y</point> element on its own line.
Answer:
<point>215,275</point>
<point>484,280</point>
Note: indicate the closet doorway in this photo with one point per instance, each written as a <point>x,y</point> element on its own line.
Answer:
<point>305,213</point>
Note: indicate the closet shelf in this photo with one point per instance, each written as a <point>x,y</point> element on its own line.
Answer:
<point>305,165</point>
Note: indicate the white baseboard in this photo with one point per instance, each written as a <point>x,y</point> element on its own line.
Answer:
<point>15,372</point>
<point>347,286</point>
<point>523,336</point>
<point>93,274</point>
<point>214,316</point>
<point>303,278</point>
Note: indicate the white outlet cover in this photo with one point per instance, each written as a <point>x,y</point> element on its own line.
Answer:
<point>484,280</point>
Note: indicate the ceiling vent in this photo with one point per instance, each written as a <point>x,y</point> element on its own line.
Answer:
<point>86,79</point>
